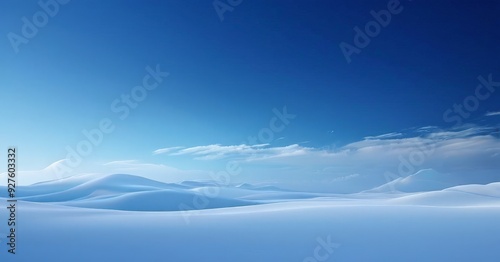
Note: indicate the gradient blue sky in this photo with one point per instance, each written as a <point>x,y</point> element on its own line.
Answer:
<point>226,77</point>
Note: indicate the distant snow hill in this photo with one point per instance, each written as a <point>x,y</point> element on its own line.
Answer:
<point>115,218</point>
<point>422,181</point>
<point>135,193</point>
<point>465,195</point>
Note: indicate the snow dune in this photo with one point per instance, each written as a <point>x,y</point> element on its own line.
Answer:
<point>423,180</point>
<point>133,193</point>
<point>128,218</point>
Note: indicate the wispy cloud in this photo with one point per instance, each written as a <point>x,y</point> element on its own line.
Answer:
<point>493,113</point>
<point>391,142</point>
<point>472,131</point>
<point>427,128</point>
<point>217,151</point>
<point>384,136</point>
<point>243,152</point>
<point>471,148</point>
<point>472,152</point>
<point>166,150</point>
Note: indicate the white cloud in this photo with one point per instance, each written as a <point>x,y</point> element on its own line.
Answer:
<point>217,151</point>
<point>427,128</point>
<point>166,150</point>
<point>473,131</point>
<point>384,136</point>
<point>493,113</point>
<point>242,152</point>
<point>372,148</point>
<point>449,151</point>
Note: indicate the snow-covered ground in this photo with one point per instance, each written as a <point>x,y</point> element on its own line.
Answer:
<point>128,218</point>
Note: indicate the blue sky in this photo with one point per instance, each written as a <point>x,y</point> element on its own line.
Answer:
<point>228,78</point>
